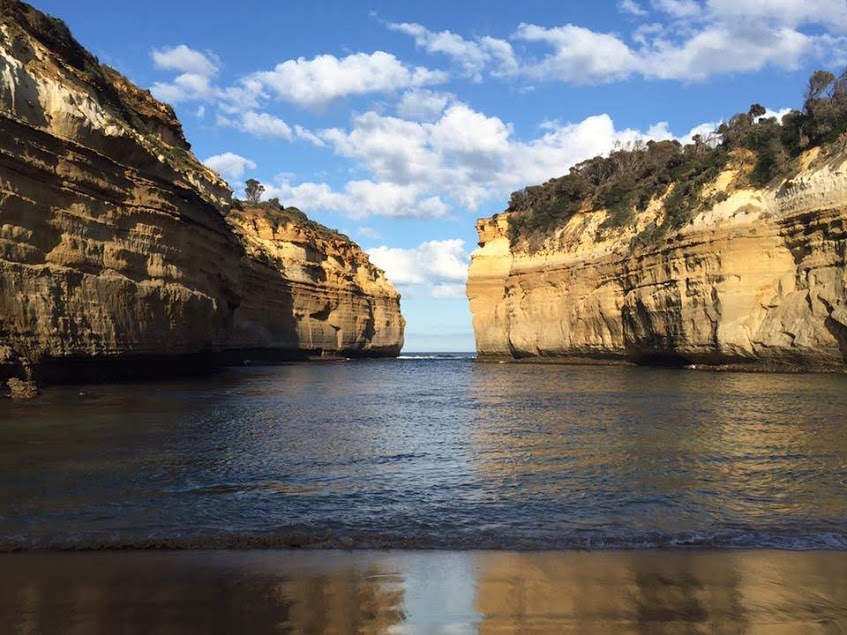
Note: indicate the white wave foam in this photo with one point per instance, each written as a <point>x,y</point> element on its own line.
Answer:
<point>308,537</point>
<point>467,356</point>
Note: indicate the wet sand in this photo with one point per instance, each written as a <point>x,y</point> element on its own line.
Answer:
<point>424,592</point>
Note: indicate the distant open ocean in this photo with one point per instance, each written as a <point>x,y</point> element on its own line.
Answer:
<point>430,451</point>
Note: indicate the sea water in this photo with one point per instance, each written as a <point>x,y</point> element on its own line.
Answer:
<point>430,452</point>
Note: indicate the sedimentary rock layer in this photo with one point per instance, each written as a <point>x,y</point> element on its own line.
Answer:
<point>757,281</point>
<point>112,238</point>
<point>116,256</point>
<point>310,290</point>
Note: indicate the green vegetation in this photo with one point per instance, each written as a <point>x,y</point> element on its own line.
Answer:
<point>175,156</point>
<point>631,176</point>
<point>254,191</point>
<point>54,34</point>
<point>278,214</point>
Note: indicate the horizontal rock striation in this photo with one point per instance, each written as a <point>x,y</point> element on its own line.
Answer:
<point>113,244</point>
<point>116,255</point>
<point>310,291</point>
<point>756,281</point>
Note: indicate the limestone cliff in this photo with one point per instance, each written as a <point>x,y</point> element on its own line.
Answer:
<point>310,290</point>
<point>756,279</point>
<point>115,249</point>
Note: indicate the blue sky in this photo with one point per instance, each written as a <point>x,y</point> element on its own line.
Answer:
<point>399,123</point>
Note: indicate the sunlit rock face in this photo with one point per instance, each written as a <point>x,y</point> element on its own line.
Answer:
<point>113,242</point>
<point>116,255</point>
<point>311,290</point>
<point>756,281</point>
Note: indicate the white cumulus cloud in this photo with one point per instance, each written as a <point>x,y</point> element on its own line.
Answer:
<point>422,104</point>
<point>316,82</point>
<point>632,8</point>
<point>726,48</point>
<point>436,268</point>
<point>829,13</point>
<point>262,124</point>
<point>580,55</point>
<point>309,83</point>
<point>184,59</point>
<point>687,40</point>
<point>361,198</point>
<point>471,56</point>
<point>678,8</point>
<point>230,165</point>
<point>448,291</point>
<point>194,83</point>
<point>185,87</point>
<point>457,163</point>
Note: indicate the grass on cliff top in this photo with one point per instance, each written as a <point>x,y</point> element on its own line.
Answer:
<point>274,211</point>
<point>630,177</point>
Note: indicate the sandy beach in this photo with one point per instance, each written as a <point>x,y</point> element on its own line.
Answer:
<point>424,592</point>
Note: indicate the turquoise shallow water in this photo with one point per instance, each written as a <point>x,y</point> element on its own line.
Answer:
<point>438,452</point>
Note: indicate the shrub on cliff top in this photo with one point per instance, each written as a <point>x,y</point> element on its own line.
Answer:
<point>625,181</point>
<point>277,213</point>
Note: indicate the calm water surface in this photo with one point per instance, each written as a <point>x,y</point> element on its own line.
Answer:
<point>431,453</point>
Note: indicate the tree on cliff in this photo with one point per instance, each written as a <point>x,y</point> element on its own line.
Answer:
<point>624,182</point>
<point>818,84</point>
<point>254,191</point>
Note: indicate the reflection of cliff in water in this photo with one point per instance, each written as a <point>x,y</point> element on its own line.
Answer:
<point>343,601</point>
<point>633,457</point>
<point>702,594</point>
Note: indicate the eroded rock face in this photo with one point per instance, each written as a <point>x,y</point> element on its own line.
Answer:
<point>113,242</point>
<point>116,257</point>
<point>311,291</point>
<point>758,281</point>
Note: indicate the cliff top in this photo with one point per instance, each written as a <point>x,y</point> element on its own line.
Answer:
<point>277,214</point>
<point>136,107</point>
<point>750,150</point>
<point>52,83</point>
<point>286,239</point>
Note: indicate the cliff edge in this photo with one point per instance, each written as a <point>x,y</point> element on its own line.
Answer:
<point>700,265</point>
<point>310,290</point>
<point>117,255</point>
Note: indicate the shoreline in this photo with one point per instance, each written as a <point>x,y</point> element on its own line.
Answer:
<point>323,542</point>
<point>138,369</point>
<point>142,369</point>
<point>752,367</point>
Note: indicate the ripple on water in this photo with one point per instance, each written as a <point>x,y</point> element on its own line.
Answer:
<point>431,453</point>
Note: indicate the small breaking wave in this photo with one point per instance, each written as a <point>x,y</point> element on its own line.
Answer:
<point>272,487</point>
<point>298,538</point>
<point>438,356</point>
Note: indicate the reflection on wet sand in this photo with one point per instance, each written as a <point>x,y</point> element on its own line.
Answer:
<point>663,592</point>
<point>432,592</point>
